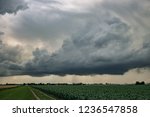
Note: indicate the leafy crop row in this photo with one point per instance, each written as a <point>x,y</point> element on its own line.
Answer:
<point>104,92</point>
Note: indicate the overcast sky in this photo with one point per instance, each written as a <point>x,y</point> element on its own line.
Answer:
<point>74,41</point>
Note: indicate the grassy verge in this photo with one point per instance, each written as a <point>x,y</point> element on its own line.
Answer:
<point>18,93</point>
<point>23,93</point>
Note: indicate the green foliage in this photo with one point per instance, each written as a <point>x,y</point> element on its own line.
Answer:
<point>100,92</point>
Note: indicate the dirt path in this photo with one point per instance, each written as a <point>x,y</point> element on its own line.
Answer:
<point>46,95</point>
<point>39,95</point>
<point>37,98</point>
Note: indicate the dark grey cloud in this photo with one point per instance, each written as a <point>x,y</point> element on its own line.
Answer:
<point>103,38</point>
<point>1,33</point>
<point>12,6</point>
<point>92,53</point>
<point>9,59</point>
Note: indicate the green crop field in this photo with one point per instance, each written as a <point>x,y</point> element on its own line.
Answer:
<point>98,92</point>
<point>76,92</point>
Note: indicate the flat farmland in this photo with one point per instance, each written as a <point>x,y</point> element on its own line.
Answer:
<point>76,92</point>
<point>23,93</point>
<point>97,92</point>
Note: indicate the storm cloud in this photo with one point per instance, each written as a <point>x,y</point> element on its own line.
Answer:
<point>1,33</point>
<point>10,60</point>
<point>92,52</point>
<point>80,38</point>
<point>12,6</point>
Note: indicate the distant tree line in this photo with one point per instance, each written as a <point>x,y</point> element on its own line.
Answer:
<point>140,83</point>
<point>25,84</point>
